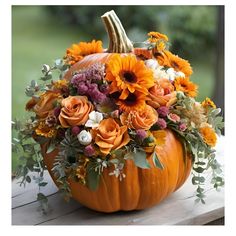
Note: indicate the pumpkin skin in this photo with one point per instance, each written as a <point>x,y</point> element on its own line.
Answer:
<point>141,188</point>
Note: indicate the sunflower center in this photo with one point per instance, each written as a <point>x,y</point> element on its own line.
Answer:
<point>131,100</point>
<point>129,77</point>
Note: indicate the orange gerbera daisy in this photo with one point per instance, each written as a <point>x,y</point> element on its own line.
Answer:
<point>77,51</point>
<point>134,102</point>
<point>209,135</point>
<point>186,86</point>
<point>176,62</point>
<point>127,74</point>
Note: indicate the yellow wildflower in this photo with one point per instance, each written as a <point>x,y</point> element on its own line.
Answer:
<point>208,103</point>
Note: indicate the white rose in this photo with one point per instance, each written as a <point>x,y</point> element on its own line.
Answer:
<point>84,137</point>
<point>94,119</point>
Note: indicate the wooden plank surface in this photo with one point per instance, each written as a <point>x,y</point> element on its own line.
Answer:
<point>178,209</point>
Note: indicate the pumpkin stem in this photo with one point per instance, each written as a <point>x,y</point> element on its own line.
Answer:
<point>118,40</point>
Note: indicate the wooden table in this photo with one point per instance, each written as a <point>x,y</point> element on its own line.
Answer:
<point>178,209</point>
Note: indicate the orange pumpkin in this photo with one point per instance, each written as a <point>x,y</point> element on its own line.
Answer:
<point>141,188</point>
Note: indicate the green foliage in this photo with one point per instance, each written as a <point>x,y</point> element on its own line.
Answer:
<point>140,160</point>
<point>30,166</point>
<point>93,176</point>
<point>156,161</point>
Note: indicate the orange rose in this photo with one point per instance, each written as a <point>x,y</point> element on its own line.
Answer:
<point>75,111</point>
<point>143,119</point>
<point>110,136</point>
<point>45,104</point>
<point>161,94</point>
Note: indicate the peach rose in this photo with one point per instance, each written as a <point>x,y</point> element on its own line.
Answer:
<point>45,105</point>
<point>143,119</point>
<point>75,111</point>
<point>110,136</point>
<point>161,94</point>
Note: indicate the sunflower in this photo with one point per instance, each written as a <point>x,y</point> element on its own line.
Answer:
<point>209,135</point>
<point>127,75</point>
<point>177,63</point>
<point>134,102</point>
<point>186,86</point>
<point>77,51</point>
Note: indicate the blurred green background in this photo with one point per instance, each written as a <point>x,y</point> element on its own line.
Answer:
<point>41,34</point>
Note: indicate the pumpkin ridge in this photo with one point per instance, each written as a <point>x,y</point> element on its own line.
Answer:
<point>105,192</point>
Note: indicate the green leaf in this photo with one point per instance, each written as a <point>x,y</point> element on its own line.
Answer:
<point>28,179</point>
<point>215,112</point>
<point>156,161</point>
<point>199,189</point>
<point>140,159</point>
<point>51,147</point>
<point>41,197</point>
<point>42,184</point>
<point>92,177</point>
<point>197,180</point>
<point>198,169</point>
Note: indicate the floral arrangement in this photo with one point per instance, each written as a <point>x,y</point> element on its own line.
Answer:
<point>110,112</point>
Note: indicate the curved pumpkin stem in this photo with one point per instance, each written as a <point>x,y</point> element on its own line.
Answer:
<point>118,40</point>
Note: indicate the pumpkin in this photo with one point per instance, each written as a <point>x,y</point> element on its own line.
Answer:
<point>141,188</point>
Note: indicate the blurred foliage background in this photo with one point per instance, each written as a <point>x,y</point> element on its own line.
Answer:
<point>41,34</point>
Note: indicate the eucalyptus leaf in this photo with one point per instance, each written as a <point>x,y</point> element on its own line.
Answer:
<point>156,161</point>
<point>42,184</point>
<point>197,180</point>
<point>199,169</point>
<point>28,179</point>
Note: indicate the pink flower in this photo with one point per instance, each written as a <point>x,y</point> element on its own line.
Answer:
<point>89,151</point>
<point>173,117</point>
<point>163,111</point>
<point>182,127</point>
<point>141,134</point>
<point>161,123</point>
<point>75,130</point>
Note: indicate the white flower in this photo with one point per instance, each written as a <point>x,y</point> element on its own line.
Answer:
<point>180,74</point>
<point>84,137</point>
<point>159,73</point>
<point>95,118</point>
<point>171,74</point>
<point>152,64</point>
